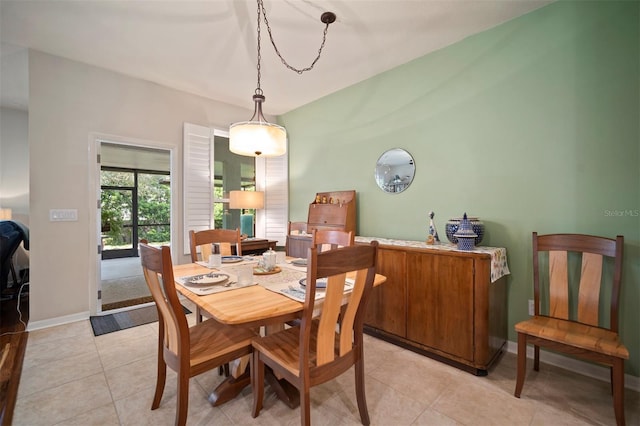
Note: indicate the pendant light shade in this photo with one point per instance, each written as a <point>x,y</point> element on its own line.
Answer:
<point>257,137</point>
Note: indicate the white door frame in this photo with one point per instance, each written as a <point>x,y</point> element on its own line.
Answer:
<point>95,141</point>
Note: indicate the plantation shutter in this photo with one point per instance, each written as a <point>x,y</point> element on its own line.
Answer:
<point>272,177</point>
<point>197,180</point>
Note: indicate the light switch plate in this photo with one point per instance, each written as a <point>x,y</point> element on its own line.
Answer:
<point>63,215</point>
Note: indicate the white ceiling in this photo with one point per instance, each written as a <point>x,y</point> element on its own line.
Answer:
<point>209,47</point>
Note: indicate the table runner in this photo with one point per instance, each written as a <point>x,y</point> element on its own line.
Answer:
<point>499,266</point>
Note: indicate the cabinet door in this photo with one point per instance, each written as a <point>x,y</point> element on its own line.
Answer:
<point>387,305</point>
<point>328,214</point>
<point>440,307</point>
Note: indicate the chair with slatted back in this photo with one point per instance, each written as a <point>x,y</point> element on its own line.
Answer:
<point>202,241</point>
<point>586,266</point>
<point>330,239</point>
<point>321,347</point>
<point>226,239</point>
<point>188,351</point>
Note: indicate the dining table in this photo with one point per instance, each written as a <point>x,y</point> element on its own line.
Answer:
<point>271,299</point>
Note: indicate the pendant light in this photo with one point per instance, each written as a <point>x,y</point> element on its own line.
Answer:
<point>258,137</point>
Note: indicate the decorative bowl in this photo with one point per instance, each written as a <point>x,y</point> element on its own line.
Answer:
<point>452,226</point>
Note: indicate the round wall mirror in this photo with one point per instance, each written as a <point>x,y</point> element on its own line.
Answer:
<point>395,170</point>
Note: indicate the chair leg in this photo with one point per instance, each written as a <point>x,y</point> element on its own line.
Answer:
<point>182,407</point>
<point>536,357</point>
<point>160,382</point>
<point>161,375</point>
<point>522,364</point>
<point>223,370</point>
<point>257,382</point>
<point>305,405</point>
<point>360,393</point>
<point>618,390</point>
<point>198,315</point>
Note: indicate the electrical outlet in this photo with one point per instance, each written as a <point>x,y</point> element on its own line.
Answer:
<point>531,309</point>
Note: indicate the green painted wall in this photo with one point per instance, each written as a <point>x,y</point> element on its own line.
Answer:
<point>532,126</point>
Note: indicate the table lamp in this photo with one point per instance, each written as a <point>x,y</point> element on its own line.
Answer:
<point>246,200</point>
<point>5,214</point>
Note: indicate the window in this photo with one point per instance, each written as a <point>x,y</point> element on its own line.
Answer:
<point>231,172</point>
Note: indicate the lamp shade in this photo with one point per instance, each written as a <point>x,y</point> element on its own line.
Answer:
<point>5,214</point>
<point>257,138</point>
<point>246,200</point>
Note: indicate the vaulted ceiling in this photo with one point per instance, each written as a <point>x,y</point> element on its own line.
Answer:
<point>208,47</point>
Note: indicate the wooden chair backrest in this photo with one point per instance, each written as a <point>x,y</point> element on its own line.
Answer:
<point>560,282</point>
<point>225,238</point>
<point>297,228</point>
<point>336,333</point>
<point>330,239</point>
<point>158,273</point>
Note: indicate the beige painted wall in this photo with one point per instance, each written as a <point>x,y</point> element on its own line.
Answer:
<point>69,102</point>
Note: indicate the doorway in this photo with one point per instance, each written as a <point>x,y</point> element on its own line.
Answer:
<point>135,203</point>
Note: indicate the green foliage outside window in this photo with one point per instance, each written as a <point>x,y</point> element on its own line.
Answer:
<point>154,207</point>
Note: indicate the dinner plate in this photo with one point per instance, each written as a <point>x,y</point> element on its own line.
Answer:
<point>299,262</point>
<point>232,259</point>
<point>321,283</point>
<point>208,279</point>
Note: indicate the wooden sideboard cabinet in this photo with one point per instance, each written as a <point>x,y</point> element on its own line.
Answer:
<point>440,303</point>
<point>338,212</point>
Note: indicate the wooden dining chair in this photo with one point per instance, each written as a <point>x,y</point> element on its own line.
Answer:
<point>295,228</point>
<point>321,348</point>
<point>188,351</point>
<point>572,284</point>
<point>226,239</point>
<point>202,241</point>
<point>330,239</point>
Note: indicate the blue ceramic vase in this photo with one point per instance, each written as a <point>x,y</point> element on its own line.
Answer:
<point>465,235</point>
<point>452,226</point>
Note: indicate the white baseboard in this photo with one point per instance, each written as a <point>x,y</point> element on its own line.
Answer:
<point>52,322</point>
<point>577,366</point>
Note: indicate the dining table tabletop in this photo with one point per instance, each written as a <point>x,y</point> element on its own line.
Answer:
<point>248,306</point>
<point>259,303</point>
<point>265,301</point>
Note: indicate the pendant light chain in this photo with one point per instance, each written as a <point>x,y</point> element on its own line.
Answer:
<point>326,18</point>
<point>258,89</point>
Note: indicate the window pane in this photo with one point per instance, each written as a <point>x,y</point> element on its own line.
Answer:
<point>114,178</point>
<point>232,172</point>
<point>154,207</point>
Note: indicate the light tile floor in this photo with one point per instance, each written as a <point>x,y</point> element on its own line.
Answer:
<point>71,377</point>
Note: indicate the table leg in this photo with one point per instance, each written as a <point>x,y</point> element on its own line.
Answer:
<point>287,393</point>
<point>232,386</point>
<point>229,389</point>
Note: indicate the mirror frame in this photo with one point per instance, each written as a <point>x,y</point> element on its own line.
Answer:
<point>392,164</point>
